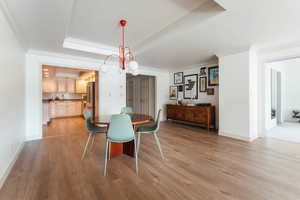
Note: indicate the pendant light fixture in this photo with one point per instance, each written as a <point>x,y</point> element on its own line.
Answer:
<point>127,60</point>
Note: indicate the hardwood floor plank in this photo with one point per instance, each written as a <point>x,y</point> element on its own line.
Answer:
<point>198,165</point>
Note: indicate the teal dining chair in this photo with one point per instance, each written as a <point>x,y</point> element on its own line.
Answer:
<point>150,129</point>
<point>120,131</point>
<point>126,110</point>
<point>92,129</point>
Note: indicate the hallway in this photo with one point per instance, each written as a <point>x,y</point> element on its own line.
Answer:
<point>286,131</point>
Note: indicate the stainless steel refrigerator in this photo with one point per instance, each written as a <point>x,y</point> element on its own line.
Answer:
<point>91,97</point>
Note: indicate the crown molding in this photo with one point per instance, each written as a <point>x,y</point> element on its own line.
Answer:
<point>91,47</point>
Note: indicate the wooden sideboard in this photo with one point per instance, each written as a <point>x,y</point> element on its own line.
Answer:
<point>194,114</point>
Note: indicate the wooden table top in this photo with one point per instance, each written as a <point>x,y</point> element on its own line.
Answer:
<point>135,118</point>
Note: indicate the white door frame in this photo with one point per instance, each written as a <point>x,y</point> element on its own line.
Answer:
<point>112,87</point>
<point>34,62</point>
<point>265,58</point>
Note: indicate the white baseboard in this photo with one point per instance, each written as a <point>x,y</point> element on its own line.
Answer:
<point>11,164</point>
<point>33,138</point>
<point>238,137</point>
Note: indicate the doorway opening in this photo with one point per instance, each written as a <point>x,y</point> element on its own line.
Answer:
<point>67,92</point>
<point>283,100</point>
<point>140,94</point>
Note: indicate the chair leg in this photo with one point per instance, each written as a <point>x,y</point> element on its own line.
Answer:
<point>109,153</point>
<point>138,142</point>
<point>105,156</point>
<point>158,145</point>
<point>136,157</point>
<point>93,140</point>
<point>86,146</point>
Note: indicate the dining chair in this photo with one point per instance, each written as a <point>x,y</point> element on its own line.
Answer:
<point>120,131</point>
<point>93,130</point>
<point>150,129</point>
<point>126,110</point>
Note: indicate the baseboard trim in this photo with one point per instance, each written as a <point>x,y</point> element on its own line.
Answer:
<point>33,138</point>
<point>11,164</point>
<point>238,137</point>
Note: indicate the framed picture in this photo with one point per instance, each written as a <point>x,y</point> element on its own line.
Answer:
<point>202,84</point>
<point>180,88</point>
<point>202,71</point>
<point>213,76</point>
<point>190,90</point>
<point>210,91</point>
<point>178,78</point>
<point>173,92</point>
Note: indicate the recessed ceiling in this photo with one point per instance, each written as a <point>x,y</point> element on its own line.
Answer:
<point>164,33</point>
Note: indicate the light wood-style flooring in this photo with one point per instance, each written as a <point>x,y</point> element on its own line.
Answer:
<point>198,165</point>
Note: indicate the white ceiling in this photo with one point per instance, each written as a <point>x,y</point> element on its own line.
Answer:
<point>164,33</point>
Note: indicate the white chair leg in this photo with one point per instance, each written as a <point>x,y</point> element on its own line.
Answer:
<point>158,145</point>
<point>136,157</point>
<point>86,146</point>
<point>138,143</point>
<point>105,157</point>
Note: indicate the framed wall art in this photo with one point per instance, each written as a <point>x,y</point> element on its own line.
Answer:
<point>202,71</point>
<point>178,78</point>
<point>180,88</point>
<point>173,92</point>
<point>190,90</point>
<point>213,76</point>
<point>202,84</point>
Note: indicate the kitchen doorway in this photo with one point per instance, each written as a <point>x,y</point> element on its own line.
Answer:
<point>67,92</point>
<point>140,94</point>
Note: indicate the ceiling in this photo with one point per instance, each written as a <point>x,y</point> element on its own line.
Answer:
<point>163,33</point>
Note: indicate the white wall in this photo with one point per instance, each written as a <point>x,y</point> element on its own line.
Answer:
<point>12,106</point>
<point>238,96</point>
<point>202,96</point>
<point>113,89</point>
<point>112,86</point>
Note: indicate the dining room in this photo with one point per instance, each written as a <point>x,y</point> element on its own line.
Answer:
<point>160,100</point>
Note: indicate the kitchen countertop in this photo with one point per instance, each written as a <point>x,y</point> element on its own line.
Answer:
<point>50,100</point>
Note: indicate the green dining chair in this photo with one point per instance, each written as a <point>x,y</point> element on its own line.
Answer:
<point>126,110</point>
<point>93,130</point>
<point>150,129</point>
<point>120,131</point>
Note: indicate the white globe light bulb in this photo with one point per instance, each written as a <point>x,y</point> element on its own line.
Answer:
<point>133,65</point>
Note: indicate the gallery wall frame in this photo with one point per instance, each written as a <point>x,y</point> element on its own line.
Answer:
<point>190,90</point>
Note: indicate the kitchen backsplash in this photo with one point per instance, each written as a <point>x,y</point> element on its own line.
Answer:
<point>61,96</point>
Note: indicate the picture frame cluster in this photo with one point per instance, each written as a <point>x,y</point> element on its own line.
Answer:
<point>188,86</point>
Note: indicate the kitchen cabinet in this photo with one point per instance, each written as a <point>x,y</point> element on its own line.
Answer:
<point>66,108</point>
<point>64,85</point>
<point>61,85</point>
<point>81,86</point>
<point>70,85</point>
<point>49,85</point>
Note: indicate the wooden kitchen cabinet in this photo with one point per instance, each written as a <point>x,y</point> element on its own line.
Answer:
<point>49,85</point>
<point>59,109</point>
<point>71,84</point>
<point>81,86</point>
<point>78,108</point>
<point>61,85</point>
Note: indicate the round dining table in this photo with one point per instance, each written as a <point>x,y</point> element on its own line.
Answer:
<point>127,147</point>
